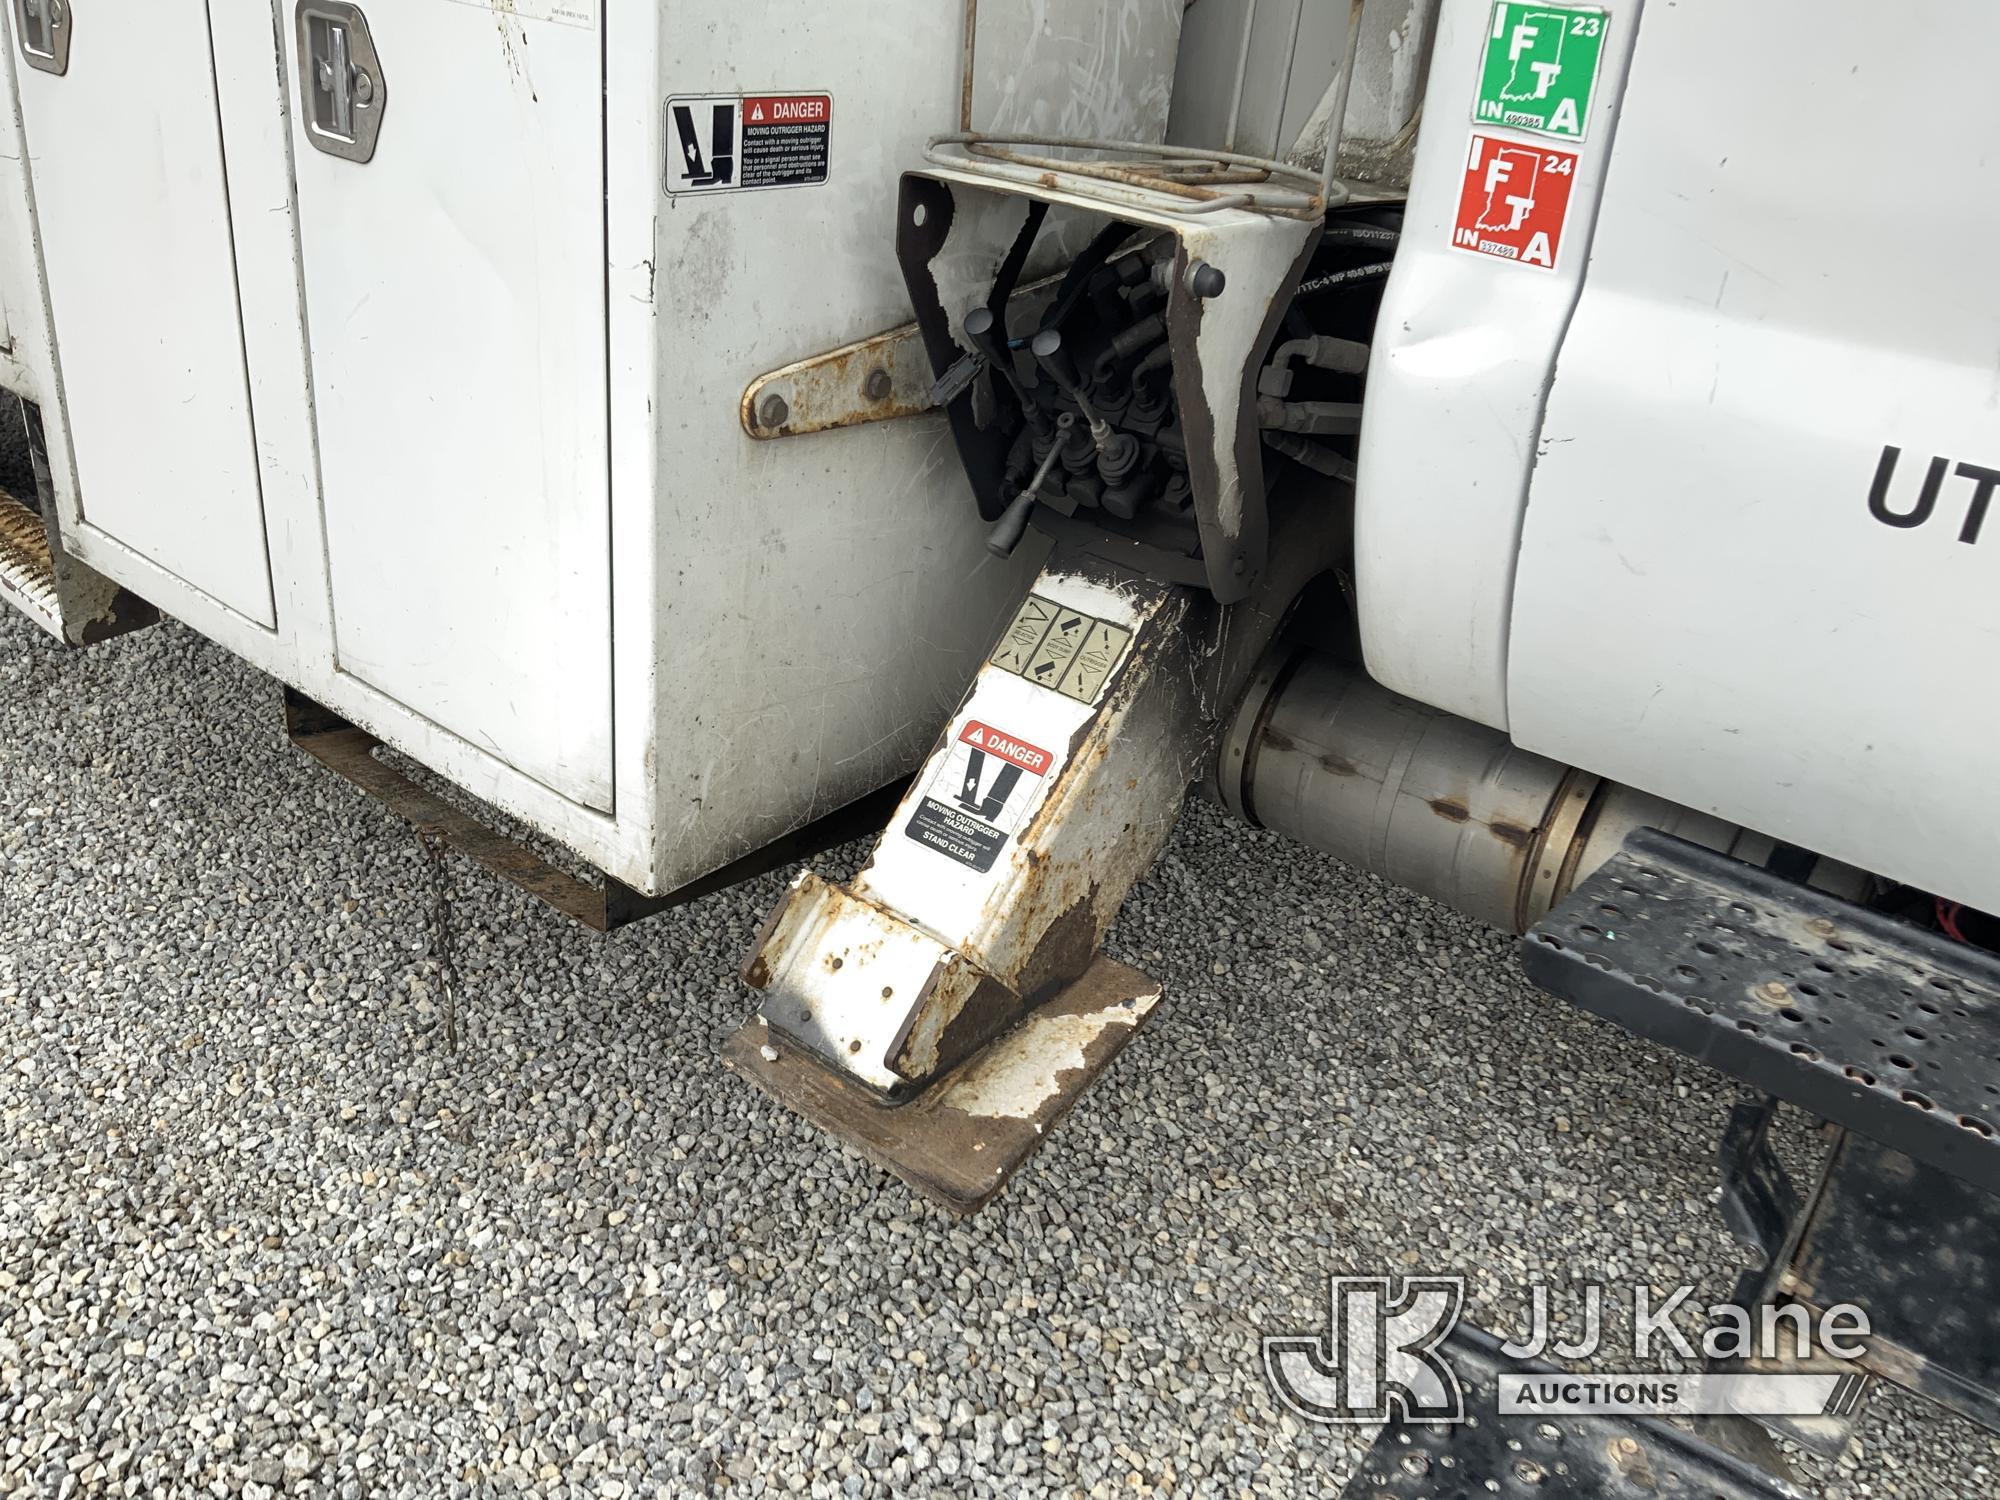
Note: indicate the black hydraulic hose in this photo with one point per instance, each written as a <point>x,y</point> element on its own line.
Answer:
<point>1011,268</point>
<point>1086,265</point>
<point>1149,330</point>
<point>1323,352</point>
<point>1312,455</point>
<point>1349,277</point>
<point>1361,234</point>
<point>1330,418</point>
<point>1159,359</point>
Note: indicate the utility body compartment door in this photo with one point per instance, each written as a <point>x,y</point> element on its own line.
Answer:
<point>131,200</point>
<point>454,289</point>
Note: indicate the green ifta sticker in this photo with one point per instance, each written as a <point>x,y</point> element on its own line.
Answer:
<point>1540,63</point>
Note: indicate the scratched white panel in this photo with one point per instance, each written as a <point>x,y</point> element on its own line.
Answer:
<point>1102,68</point>
<point>823,601</point>
<point>455,297</point>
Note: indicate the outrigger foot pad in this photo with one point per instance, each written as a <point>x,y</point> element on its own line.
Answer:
<point>960,1138</point>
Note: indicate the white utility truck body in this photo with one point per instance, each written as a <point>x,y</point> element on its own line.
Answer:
<point>449,439</point>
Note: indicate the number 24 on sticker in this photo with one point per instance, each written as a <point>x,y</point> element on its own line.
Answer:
<point>1514,201</point>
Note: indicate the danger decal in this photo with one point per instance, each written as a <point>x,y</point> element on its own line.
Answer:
<point>722,142</point>
<point>1514,201</point>
<point>981,792</point>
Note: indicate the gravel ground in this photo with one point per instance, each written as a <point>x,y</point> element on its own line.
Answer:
<point>261,1232</point>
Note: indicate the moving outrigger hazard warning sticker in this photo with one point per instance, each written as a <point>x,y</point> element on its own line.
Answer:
<point>718,142</point>
<point>982,789</point>
<point>1514,201</point>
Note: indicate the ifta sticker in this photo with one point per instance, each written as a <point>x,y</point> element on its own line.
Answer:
<point>1514,201</point>
<point>1539,66</point>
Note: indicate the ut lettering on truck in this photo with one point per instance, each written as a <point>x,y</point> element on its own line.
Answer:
<point>1880,501</point>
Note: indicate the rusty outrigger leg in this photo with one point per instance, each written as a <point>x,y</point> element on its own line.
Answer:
<point>941,1010</point>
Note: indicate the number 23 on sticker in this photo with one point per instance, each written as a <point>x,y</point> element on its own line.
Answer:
<point>1539,67</point>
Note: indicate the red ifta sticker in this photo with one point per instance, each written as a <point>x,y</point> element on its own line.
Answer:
<point>1004,746</point>
<point>1514,201</point>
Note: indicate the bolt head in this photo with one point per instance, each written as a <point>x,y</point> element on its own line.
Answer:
<point>1773,989</point>
<point>878,385</point>
<point>773,411</point>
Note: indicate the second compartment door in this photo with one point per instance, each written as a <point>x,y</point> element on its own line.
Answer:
<point>455,300</point>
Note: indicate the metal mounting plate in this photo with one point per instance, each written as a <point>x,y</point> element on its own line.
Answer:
<point>1884,1028</point>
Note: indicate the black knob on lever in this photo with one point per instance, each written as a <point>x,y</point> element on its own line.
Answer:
<point>1047,347</point>
<point>1013,523</point>
<point>988,338</point>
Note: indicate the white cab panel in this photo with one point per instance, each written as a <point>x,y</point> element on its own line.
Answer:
<point>1784,282</point>
<point>1463,352</point>
<point>454,288</point>
<point>132,205</point>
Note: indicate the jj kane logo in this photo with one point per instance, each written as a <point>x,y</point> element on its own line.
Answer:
<point>1385,1354</point>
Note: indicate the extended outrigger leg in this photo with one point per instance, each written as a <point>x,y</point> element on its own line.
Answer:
<point>946,1006</point>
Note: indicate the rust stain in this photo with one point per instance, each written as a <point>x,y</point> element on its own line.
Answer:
<point>1065,948</point>
<point>1513,834</point>
<point>1451,809</point>
<point>932,1141</point>
<point>758,973</point>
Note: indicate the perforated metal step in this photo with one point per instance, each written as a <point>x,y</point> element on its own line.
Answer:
<point>27,570</point>
<point>1545,1457</point>
<point>1887,1029</point>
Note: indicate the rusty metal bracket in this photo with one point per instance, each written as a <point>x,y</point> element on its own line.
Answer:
<point>349,751</point>
<point>873,380</point>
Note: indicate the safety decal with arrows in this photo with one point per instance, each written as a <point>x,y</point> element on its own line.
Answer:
<point>1064,650</point>
<point>720,142</point>
<point>983,787</point>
